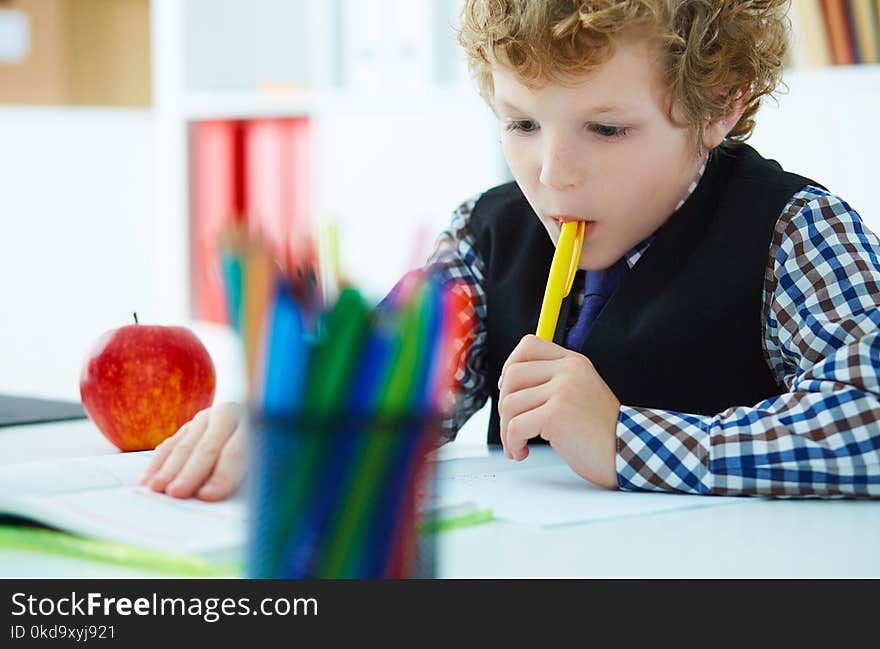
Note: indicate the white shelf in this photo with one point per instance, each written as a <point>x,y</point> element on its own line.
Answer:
<point>423,100</point>
<point>198,106</point>
<point>861,79</point>
<point>203,106</point>
<point>836,70</point>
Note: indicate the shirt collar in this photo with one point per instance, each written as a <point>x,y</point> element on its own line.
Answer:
<point>636,252</point>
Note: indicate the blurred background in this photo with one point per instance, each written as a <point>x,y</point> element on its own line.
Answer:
<point>133,131</point>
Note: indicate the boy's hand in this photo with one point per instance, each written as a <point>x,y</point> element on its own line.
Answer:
<point>556,393</point>
<point>205,458</point>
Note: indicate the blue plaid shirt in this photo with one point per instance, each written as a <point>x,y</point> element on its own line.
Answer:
<point>821,306</point>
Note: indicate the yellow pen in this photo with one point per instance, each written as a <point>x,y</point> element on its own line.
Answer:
<point>562,271</point>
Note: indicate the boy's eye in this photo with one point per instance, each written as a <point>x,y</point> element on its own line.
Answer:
<point>608,131</point>
<point>522,125</point>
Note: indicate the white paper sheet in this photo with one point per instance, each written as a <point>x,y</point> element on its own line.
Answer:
<point>543,490</point>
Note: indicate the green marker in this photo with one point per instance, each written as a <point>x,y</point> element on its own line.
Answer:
<point>347,540</point>
<point>456,522</point>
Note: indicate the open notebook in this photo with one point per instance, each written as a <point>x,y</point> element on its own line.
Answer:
<point>98,497</point>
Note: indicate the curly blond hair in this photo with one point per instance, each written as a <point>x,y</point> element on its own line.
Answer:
<point>713,50</point>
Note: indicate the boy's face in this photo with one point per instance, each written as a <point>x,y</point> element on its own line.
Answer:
<point>601,150</point>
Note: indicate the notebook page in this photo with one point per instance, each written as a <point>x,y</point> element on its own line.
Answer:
<point>75,474</point>
<point>140,516</point>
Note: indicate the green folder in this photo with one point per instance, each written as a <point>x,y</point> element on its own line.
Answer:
<point>48,541</point>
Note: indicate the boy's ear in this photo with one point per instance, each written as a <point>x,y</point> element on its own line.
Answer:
<point>717,130</point>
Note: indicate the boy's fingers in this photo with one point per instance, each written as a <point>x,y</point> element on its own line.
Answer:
<point>229,470</point>
<point>532,348</point>
<point>522,428</point>
<point>201,461</point>
<point>161,453</point>
<point>180,453</point>
<point>522,401</point>
<point>520,376</point>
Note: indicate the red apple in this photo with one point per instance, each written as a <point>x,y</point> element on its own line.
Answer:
<point>141,383</point>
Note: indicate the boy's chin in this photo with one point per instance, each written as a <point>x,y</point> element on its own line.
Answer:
<point>596,262</point>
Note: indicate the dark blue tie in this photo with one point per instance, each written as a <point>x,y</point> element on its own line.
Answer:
<point>599,285</point>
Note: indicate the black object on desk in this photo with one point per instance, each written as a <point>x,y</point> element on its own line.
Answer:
<point>15,411</point>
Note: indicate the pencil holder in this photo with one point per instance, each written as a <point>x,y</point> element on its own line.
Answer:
<point>340,497</point>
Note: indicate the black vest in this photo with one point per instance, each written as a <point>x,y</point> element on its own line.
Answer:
<point>683,331</point>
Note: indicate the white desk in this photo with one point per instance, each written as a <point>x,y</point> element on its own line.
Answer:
<point>749,538</point>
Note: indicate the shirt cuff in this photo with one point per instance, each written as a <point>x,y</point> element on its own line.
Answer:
<point>661,450</point>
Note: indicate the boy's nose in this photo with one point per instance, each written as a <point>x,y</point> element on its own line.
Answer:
<point>560,169</point>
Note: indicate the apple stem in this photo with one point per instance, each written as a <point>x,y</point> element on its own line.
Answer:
<point>136,318</point>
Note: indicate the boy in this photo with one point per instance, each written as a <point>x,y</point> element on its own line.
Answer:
<point>723,339</point>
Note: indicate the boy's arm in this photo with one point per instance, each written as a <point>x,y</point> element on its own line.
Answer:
<point>455,259</point>
<point>822,437</point>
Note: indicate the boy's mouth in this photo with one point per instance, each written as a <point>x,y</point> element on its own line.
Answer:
<point>558,220</point>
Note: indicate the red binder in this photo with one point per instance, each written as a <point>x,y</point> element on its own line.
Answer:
<point>278,188</point>
<point>217,200</point>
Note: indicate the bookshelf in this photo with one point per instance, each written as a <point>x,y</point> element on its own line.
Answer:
<point>834,32</point>
<point>384,86</point>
